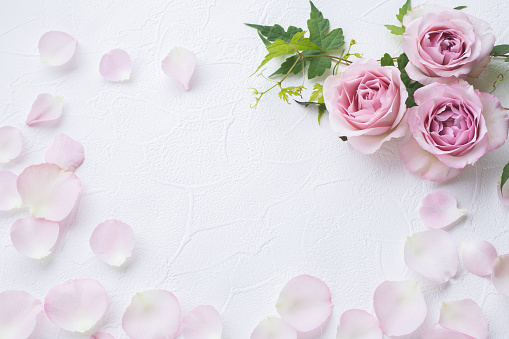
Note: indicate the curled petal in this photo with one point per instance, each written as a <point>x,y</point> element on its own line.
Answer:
<point>204,322</point>
<point>66,153</point>
<point>496,120</point>
<point>11,143</point>
<point>273,328</point>
<point>179,65</point>
<point>478,257</point>
<point>18,313</point>
<point>440,209</point>
<point>45,108</point>
<point>500,274</point>
<point>399,307</point>
<point>9,196</point>
<point>56,48</point>
<point>112,241</point>
<point>48,191</point>
<point>443,333</point>
<point>34,237</point>
<point>76,306</point>
<point>304,303</point>
<point>464,316</point>
<point>358,324</point>
<point>116,65</point>
<point>101,335</point>
<point>152,314</point>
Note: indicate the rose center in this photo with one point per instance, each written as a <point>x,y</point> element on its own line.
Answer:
<point>444,46</point>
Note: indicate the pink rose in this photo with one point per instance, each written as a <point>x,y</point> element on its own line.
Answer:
<point>452,126</point>
<point>445,45</point>
<point>366,103</point>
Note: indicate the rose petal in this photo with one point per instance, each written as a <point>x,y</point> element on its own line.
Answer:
<point>76,306</point>
<point>273,328</point>
<point>11,143</point>
<point>48,191</point>
<point>66,153</point>
<point>304,303</point>
<point>18,313</point>
<point>358,324</point>
<point>152,314</point>
<point>500,274</point>
<point>496,119</point>
<point>432,254</point>
<point>34,237</point>
<point>112,241</point>
<point>443,333</point>
<point>116,65</point>
<point>45,108</point>
<point>399,307</point>
<point>464,316</point>
<point>440,209</point>
<point>9,196</point>
<point>56,48</point>
<point>204,322</point>
<point>478,257</point>
<point>101,335</point>
<point>179,65</point>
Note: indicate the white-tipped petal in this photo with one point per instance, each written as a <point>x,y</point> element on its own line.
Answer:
<point>116,65</point>
<point>500,274</point>
<point>9,196</point>
<point>56,48</point>
<point>45,108</point>
<point>11,143</point>
<point>66,153</point>
<point>18,314</point>
<point>358,324</point>
<point>273,328</point>
<point>112,241</point>
<point>440,209</point>
<point>478,257</point>
<point>464,316</point>
<point>179,65</point>
<point>203,322</point>
<point>34,237</point>
<point>101,335</point>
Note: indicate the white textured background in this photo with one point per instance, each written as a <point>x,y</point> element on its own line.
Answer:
<point>228,203</point>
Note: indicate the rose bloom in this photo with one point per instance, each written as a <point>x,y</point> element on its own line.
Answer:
<point>366,103</point>
<point>445,45</point>
<point>452,126</point>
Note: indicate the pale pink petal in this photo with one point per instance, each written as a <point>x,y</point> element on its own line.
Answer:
<point>496,118</point>
<point>152,314</point>
<point>358,324</point>
<point>101,335</point>
<point>204,322</point>
<point>478,257</point>
<point>500,274</point>
<point>180,65</point>
<point>76,306</point>
<point>440,209</point>
<point>116,65</point>
<point>273,328</point>
<point>48,191</point>
<point>112,241</point>
<point>18,314</point>
<point>304,303</point>
<point>9,196</point>
<point>34,237</point>
<point>56,48</point>
<point>432,254</point>
<point>11,143</point>
<point>464,316</point>
<point>66,153</point>
<point>399,307</point>
<point>443,333</point>
<point>45,108</point>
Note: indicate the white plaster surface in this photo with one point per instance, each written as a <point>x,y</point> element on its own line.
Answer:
<point>228,203</point>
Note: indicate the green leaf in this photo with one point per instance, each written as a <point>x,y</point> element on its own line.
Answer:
<point>321,110</point>
<point>507,59</point>
<point>276,32</point>
<point>317,94</point>
<point>459,8</point>
<point>403,10</point>
<point>505,176</point>
<point>387,60</point>
<point>343,138</point>
<point>301,43</point>
<point>500,50</point>
<point>276,49</point>
<point>318,30</point>
<point>287,65</point>
<point>264,39</point>
<point>411,86</point>
<point>317,66</point>
<point>396,30</point>
<point>287,92</point>
<point>321,107</point>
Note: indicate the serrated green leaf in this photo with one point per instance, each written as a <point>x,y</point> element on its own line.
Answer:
<point>396,30</point>
<point>276,32</point>
<point>403,10</point>
<point>264,39</point>
<point>276,49</point>
<point>318,31</point>
<point>287,92</point>
<point>386,60</point>
<point>411,86</point>
<point>459,8</point>
<point>301,43</point>
<point>318,66</point>
<point>505,176</point>
<point>317,93</point>
<point>287,65</point>
<point>500,50</point>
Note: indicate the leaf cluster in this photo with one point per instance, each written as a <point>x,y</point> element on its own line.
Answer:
<point>399,30</point>
<point>501,50</point>
<point>411,86</point>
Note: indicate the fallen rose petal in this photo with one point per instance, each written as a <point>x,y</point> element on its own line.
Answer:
<point>179,65</point>
<point>440,209</point>
<point>56,48</point>
<point>273,328</point>
<point>204,322</point>
<point>34,237</point>
<point>66,153</point>
<point>101,335</point>
<point>500,274</point>
<point>432,254</point>
<point>48,191</point>
<point>399,307</point>
<point>45,108</point>
<point>112,241</point>
<point>9,196</point>
<point>11,143</point>
<point>18,314</point>
<point>443,333</point>
<point>358,324</point>
<point>304,303</point>
<point>478,257</point>
<point>152,314</point>
<point>116,65</point>
<point>464,316</point>
<point>76,306</point>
